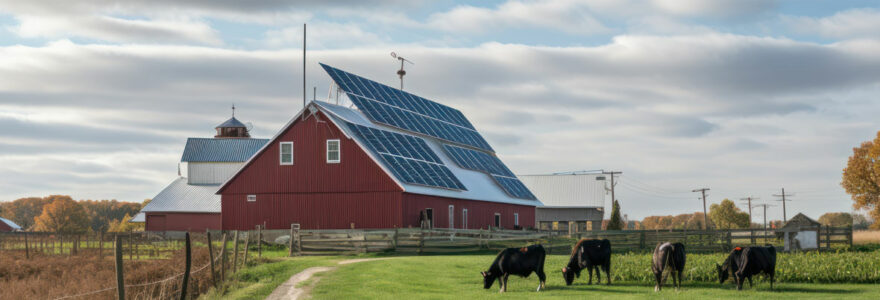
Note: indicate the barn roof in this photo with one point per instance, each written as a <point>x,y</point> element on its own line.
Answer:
<point>10,224</point>
<point>567,190</point>
<point>799,221</point>
<point>220,150</point>
<point>232,123</point>
<point>182,197</point>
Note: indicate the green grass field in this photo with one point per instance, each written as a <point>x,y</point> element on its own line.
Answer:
<point>458,277</point>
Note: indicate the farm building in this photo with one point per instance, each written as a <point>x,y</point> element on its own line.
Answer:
<point>572,201</point>
<point>391,159</point>
<point>7,225</point>
<point>801,232</point>
<point>190,203</point>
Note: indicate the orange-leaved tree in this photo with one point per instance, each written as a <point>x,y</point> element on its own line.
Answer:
<point>861,178</point>
<point>62,215</point>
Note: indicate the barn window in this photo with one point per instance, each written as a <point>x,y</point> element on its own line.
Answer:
<point>464,218</point>
<point>333,151</point>
<point>515,219</point>
<point>286,153</point>
<point>497,220</point>
<point>451,216</point>
<point>252,198</point>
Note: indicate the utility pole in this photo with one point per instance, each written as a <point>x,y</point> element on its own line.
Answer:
<point>784,217</point>
<point>705,219</point>
<point>765,219</point>
<point>749,199</point>
<point>612,173</point>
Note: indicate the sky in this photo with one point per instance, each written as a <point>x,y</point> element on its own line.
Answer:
<point>744,97</point>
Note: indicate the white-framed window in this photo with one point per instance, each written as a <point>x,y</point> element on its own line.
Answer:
<point>451,216</point>
<point>252,198</point>
<point>334,153</point>
<point>285,153</point>
<point>515,219</point>
<point>497,220</point>
<point>464,218</point>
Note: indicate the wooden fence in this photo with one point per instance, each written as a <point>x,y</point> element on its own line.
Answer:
<point>438,241</point>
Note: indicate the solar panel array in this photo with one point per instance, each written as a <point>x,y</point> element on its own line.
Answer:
<point>393,107</point>
<point>489,164</point>
<point>408,157</point>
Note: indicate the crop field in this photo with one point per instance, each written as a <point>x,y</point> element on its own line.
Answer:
<point>799,275</point>
<point>864,237</point>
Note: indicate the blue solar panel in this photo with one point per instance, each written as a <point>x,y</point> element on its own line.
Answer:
<point>393,107</point>
<point>489,164</point>
<point>514,187</point>
<point>408,157</point>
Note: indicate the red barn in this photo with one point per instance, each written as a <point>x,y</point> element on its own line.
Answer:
<point>392,161</point>
<point>7,225</point>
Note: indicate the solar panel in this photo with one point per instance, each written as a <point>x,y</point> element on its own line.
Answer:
<point>489,164</point>
<point>408,157</point>
<point>393,107</point>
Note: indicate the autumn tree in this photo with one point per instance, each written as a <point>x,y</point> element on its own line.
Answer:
<point>124,225</point>
<point>103,212</point>
<point>860,222</point>
<point>861,178</point>
<point>836,219</point>
<point>616,222</point>
<point>727,216</point>
<point>23,211</point>
<point>62,215</point>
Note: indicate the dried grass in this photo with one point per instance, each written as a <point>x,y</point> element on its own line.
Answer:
<point>54,276</point>
<point>863,237</point>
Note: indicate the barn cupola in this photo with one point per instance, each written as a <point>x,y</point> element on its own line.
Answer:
<point>232,128</point>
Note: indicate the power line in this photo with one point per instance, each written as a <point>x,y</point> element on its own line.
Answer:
<point>749,199</point>
<point>612,173</point>
<point>783,200</point>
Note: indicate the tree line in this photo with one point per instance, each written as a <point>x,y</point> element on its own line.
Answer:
<point>60,213</point>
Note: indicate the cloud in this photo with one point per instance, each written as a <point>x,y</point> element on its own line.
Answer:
<point>854,23</point>
<point>566,16</point>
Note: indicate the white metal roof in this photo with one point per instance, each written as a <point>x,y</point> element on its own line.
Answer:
<point>567,190</point>
<point>140,217</point>
<point>479,185</point>
<point>10,224</point>
<point>182,197</point>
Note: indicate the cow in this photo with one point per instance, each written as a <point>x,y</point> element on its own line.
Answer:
<point>516,261</point>
<point>589,254</point>
<point>744,262</point>
<point>672,256</point>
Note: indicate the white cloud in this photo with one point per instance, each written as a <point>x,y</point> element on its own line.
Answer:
<point>855,23</point>
<point>566,16</point>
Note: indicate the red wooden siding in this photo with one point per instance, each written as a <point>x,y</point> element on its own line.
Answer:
<point>196,222</point>
<point>4,227</point>
<point>313,210</point>
<point>311,173</point>
<point>480,213</point>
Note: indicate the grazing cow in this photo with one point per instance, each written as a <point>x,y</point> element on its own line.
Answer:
<point>743,262</point>
<point>672,256</point>
<point>589,254</point>
<point>516,261</point>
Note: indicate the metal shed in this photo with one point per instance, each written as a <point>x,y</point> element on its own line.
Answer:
<point>572,201</point>
<point>801,232</point>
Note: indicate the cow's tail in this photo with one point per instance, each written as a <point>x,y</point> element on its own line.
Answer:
<point>667,254</point>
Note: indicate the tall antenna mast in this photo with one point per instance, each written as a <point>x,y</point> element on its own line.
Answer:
<point>401,72</point>
<point>304,65</point>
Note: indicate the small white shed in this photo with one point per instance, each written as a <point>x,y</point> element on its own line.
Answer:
<point>801,233</point>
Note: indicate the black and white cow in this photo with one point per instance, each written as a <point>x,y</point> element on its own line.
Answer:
<point>744,262</point>
<point>516,261</point>
<point>590,255</point>
<point>672,256</point>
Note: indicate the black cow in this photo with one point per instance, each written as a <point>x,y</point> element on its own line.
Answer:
<point>672,256</point>
<point>589,254</point>
<point>743,262</point>
<point>516,261</point>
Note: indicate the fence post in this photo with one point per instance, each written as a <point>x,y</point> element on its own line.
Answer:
<point>259,241</point>
<point>60,244</point>
<point>235,253</point>
<point>642,240</point>
<point>185,282</point>
<point>247,244</point>
<point>752,235</point>
<point>290,243</point>
<point>849,236</point>
<point>130,245</point>
<point>120,277</point>
<point>211,257</point>
<point>299,241</point>
<point>101,244</point>
<point>394,241</point>
<point>223,259</point>
<point>828,236</point>
<point>27,250</point>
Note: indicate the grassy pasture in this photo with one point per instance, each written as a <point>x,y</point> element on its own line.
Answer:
<point>458,276</point>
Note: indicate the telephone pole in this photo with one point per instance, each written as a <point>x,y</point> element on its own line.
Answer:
<point>612,173</point>
<point>749,199</point>
<point>784,217</point>
<point>705,219</point>
<point>764,205</point>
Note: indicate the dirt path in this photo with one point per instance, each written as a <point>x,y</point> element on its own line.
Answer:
<point>289,290</point>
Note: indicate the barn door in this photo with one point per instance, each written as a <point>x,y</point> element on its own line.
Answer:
<point>430,213</point>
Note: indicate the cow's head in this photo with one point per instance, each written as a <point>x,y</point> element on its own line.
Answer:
<point>488,279</point>
<point>568,274</point>
<point>722,273</point>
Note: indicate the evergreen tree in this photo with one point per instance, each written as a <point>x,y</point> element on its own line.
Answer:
<point>616,223</point>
